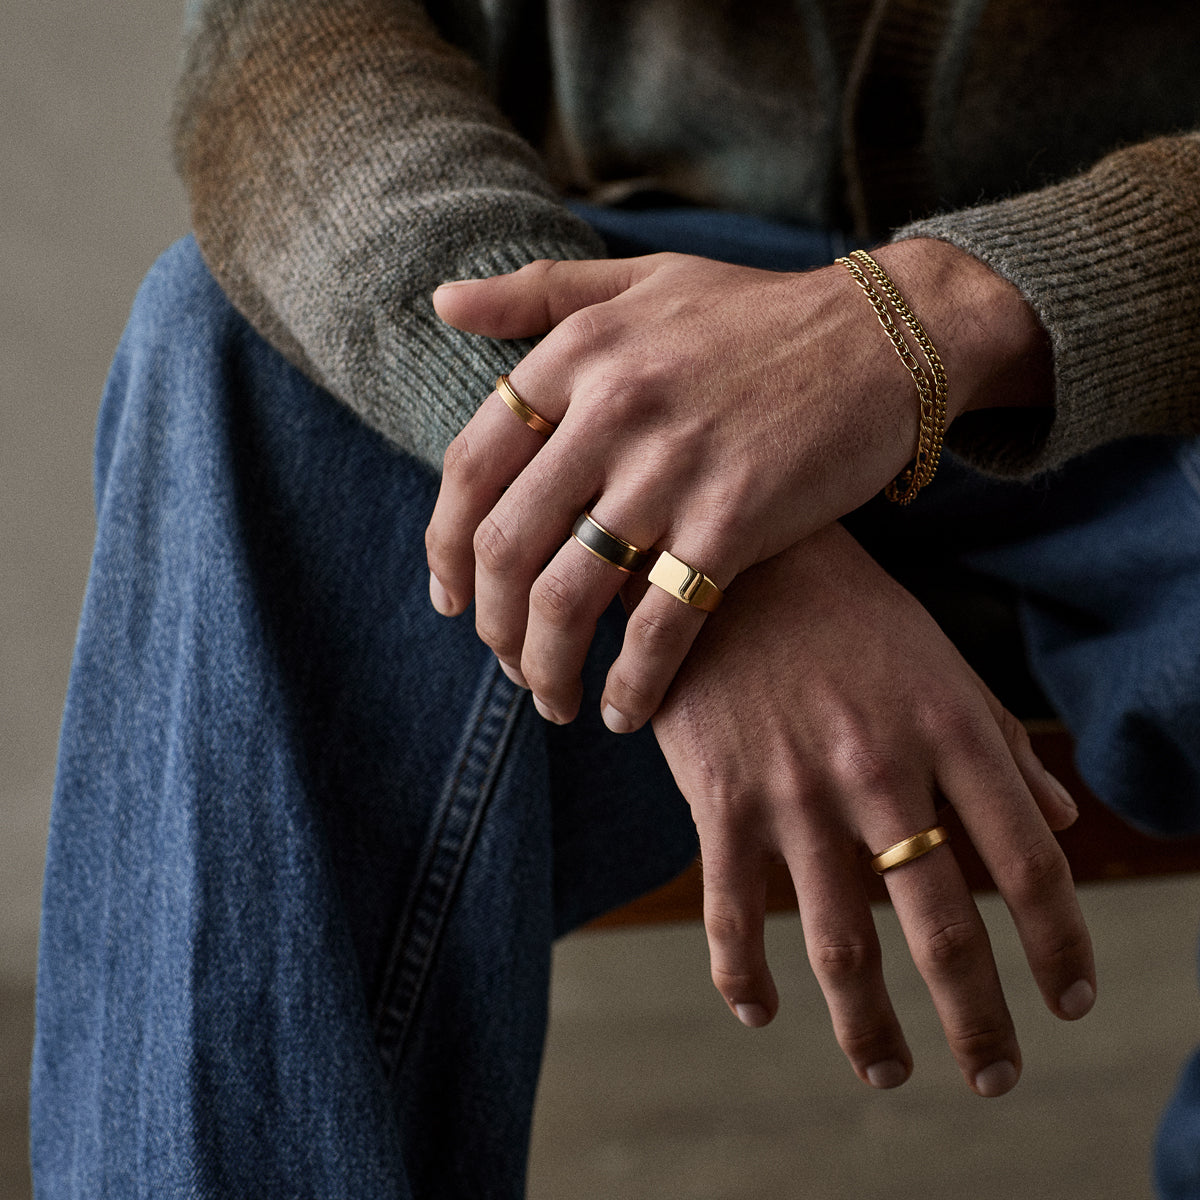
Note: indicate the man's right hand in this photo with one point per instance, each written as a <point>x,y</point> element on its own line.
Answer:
<point>822,717</point>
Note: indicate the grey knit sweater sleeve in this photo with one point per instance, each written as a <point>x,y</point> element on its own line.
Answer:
<point>1110,261</point>
<point>342,159</point>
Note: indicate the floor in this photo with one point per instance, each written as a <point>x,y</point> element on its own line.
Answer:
<point>650,1088</point>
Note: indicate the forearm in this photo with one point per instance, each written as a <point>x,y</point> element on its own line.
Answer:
<point>341,161</point>
<point>1107,263</point>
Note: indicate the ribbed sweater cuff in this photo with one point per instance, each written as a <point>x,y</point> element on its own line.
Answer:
<point>1105,260</point>
<point>451,372</point>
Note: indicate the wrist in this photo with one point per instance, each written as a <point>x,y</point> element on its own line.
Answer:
<point>995,350</point>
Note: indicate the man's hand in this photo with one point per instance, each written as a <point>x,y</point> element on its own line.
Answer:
<point>715,411</point>
<point>822,717</point>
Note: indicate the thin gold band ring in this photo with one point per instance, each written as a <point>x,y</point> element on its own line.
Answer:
<point>534,420</point>
<point>685,583</point>
<point>912,847</point>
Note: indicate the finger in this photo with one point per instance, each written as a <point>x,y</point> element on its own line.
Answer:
<point>658,635</point>
<point>843,950</point>
<point>567,600</point>
<point>1028,867</point>
<point>522,533</point>
<point>734,913</point>
<point>1057,805</point>
<point>531,301</point>
<point>950,946</point>
<point>479,464</point>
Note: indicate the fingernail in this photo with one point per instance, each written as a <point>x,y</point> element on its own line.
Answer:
<point>997,1079</point>
<point>440,597</point>
<point>453,283</point>
<point>616,720</point>
<point>544,711</point>
<point>888,1074</point>
<point>1077,1000</point>
<point>1062,793</point>
<point>513,674</point>
<point>754,1016</point>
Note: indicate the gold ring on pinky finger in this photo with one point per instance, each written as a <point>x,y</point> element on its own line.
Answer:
<point>623,555</point>
<point>912,847</point>
<point>508,394</point>
<point>685,583</point>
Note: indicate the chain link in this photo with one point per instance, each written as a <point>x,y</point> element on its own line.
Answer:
<point>931,393</point>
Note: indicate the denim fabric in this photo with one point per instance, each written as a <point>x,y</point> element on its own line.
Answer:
<point>1102,562</point>
<point>309,848</point>
<point>304,870</point>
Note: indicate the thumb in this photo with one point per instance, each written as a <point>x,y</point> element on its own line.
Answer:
<point>531,301</point>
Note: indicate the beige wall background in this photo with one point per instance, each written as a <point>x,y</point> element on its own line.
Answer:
<point>87,200</point>
<point>650,1089</point>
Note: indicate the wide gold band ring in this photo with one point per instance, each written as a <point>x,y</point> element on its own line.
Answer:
<point>623,555</point>
<point>534,420</point>
<point>685,583</point>
<point>912,847</point>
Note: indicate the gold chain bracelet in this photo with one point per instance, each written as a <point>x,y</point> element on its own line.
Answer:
<point>878,288</point>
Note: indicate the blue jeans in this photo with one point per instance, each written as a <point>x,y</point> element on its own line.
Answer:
<point>310,848</point>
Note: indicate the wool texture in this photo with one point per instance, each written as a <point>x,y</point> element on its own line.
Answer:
<point>344,157</point>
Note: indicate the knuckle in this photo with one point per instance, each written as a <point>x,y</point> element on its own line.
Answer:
<point>661,259</point>
<point>868,1043</point>
<point>458,461</point>
<point>619,396</point>
<point>633,696</point>
<point>979,1042</point>
<point>555,682</point>
<point>1073,947</point>
<point>950,722</point>
<point>728,927</point>
<point>731,513</point>
<point>436,544</point>
<point>730,816</point>
<point>499,639</point>
<point>869,769</point>
<point>736,985</point>
<point>554,602</point>
<point>657,635</point>
<point>583,332</point>
<point>540,271</point>
<point>495,550</point>
<point>951,944</point>
<point>1014,733</point>
<point>1040,872</point>
<point>842,959</point>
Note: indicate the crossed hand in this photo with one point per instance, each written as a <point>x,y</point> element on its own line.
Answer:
<point>716,421</point>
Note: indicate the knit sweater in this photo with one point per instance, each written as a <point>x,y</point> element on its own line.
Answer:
<point>343,157</point>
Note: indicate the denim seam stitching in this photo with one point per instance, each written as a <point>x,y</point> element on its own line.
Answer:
<point>461,813</point>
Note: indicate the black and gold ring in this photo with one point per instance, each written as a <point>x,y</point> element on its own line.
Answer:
<point>591,535</point>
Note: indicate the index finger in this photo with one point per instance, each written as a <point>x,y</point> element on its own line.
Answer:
<point>492,449</point>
